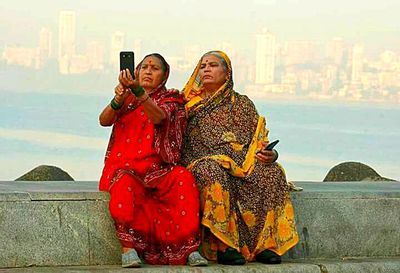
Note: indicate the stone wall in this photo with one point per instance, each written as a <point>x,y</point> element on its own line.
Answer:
<point>67,223</point>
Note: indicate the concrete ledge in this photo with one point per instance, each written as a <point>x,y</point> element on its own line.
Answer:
<point>306,266</point>
<point>68,224</point>
<point>55,223</point>
<point>341,220</point>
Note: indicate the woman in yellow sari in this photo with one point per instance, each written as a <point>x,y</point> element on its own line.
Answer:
<point>246,209</point>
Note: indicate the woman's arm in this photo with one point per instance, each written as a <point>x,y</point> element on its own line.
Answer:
<point>155,113</point>
<point>109,115</point>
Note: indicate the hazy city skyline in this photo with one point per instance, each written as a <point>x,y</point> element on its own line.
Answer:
<point>271,59</point>
<point>177,23</point>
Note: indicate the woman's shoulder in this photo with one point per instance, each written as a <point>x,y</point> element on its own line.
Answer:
<point>243,100</point>
<point>171,95</point>
<point>174,91</point>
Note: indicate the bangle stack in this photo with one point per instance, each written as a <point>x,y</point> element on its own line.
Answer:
<point>114,105</point>
<point>138,91</point>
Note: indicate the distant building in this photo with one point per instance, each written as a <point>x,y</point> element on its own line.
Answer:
<point>137,49</point>
<point>95,56</point>
<point>299,52</point>
<point>66,40</point>
<point>21,56</point>
<point>265,57</point>
<point>80,64</point>
<point>357,64</point>
<point>45,47</point>
<point>335,51</point>
<point>117,45</point>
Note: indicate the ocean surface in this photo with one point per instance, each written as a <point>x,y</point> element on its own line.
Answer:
<point>63,130</point>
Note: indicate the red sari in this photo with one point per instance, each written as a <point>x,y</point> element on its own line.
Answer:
<point>154,202</point>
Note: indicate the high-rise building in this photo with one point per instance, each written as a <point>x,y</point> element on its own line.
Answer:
<point>335,50</point>
<point>299,52</point>
<point>265,57</point>
<point>45,47</point>
<point>95,55</point>
<point>66,40</point>
<point>357,63</point>
<point>117,45</point>
<point>137,49</point>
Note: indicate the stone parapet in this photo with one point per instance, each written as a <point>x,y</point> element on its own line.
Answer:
<point>68,224</point>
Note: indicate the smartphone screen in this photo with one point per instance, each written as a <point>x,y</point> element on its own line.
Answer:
<point>127,61</point>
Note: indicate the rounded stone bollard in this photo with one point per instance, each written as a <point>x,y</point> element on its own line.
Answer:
<point>46,173</point>
<point>353,171</point>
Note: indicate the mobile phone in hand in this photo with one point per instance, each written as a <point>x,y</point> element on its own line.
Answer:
<point>271,145</point>
<point>127,61</point>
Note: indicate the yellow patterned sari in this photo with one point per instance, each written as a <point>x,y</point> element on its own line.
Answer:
<point>245,203</point>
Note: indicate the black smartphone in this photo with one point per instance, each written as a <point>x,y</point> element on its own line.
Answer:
<point>271,145</point>
<point>127,61</point>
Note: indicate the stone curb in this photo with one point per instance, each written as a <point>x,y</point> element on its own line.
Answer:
<point>305,266</point>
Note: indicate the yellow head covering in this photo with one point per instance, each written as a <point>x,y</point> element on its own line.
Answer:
<point>194,87</point>
<point>192,93</point>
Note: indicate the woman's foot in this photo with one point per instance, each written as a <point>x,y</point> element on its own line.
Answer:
<point>268,257</point>
<point>230,257</point>
<point>130,258</point>
<point>195,259</point>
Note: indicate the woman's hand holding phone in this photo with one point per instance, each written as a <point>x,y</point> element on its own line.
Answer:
<point>121,93</point>
<point>267,154</point>
<point>125,78</point>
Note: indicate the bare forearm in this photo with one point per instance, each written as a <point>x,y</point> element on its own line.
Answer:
<point>110,112</point>
<point>155,113</point>
<point>108,116</point>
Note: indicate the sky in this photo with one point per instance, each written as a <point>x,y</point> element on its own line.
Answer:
<point>170,25</point>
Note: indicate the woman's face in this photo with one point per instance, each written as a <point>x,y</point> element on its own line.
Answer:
<point>212,73</point>
<point>151,73</point>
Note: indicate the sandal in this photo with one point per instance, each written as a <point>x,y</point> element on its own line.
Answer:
<point>230,257</point>
<point>268,257</point>
<point>195,259</point>
<point>130,259</point>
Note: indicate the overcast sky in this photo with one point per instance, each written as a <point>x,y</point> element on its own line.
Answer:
<point>172,24</point>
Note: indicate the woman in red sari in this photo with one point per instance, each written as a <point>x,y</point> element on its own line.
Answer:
<point>153,201</point>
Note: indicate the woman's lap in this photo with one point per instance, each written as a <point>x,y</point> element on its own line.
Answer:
<point>251,199</point>
<point>167,213</point>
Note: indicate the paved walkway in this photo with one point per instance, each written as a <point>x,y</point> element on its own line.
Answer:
<point>304,266</point>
